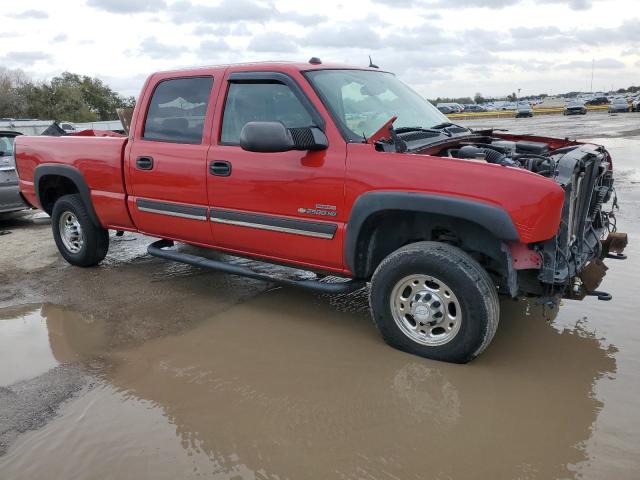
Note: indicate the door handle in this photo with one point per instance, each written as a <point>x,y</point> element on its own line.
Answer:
<point>220,168</point>
<point>144,163</point>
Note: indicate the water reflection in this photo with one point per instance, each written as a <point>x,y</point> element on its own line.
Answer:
<point>288,386</point>
<point>25,350</point>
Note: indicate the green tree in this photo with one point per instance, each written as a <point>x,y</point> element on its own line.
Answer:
<point>478,98</point>
<point>73,97</point>
<point>12,103</point>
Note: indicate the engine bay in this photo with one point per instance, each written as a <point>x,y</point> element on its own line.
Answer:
<point>584,173</point>
<point>537,157</point>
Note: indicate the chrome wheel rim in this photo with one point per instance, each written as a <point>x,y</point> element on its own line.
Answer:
<point>426,310</point>
<point>71,232</point>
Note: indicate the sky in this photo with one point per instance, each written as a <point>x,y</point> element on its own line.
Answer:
<point>446,48</point>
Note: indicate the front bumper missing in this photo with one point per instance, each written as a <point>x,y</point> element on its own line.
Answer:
<point>586,283</point>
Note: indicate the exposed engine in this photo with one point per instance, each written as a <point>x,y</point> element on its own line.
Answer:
<point>571,259</point>
<point>534,156</point>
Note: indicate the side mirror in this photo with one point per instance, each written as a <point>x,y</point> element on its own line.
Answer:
<point>267,137</point>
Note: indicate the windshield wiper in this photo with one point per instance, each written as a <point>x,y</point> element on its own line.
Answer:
<point>446,125</point>
<point>421,129</point>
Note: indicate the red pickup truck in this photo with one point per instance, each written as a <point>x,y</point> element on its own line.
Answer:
<point>343,171</point>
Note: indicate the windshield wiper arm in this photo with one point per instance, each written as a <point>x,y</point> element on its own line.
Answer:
<point>421,129</point>
<point>447,125</point>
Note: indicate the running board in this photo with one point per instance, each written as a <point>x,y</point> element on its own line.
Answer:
<point>156,249</point>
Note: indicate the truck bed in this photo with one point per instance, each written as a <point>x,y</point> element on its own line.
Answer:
<point>99,159</point>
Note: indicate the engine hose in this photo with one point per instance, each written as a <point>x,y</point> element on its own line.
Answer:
<point>493,156</point>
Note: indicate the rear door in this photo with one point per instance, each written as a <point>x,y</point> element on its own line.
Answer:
<point>285,206</point>
<point>167,161</point>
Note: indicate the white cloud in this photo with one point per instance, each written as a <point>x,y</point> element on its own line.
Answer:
<point>273,42</point>
<point>128,6</point>
<point>34,14</point>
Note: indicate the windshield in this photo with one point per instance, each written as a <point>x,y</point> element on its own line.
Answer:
<point>362,101</point>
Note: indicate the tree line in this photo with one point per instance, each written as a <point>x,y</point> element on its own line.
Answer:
<point>67,97</point>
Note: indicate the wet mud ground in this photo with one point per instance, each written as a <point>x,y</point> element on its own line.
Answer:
<point>143,368</point>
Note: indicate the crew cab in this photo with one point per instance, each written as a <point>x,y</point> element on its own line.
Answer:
<point>346,172</point>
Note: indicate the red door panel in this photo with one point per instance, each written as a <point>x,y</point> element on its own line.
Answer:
<point>289,185</point>
<point>167,159</point>
<point>178,177</point>
<point>286,206</point>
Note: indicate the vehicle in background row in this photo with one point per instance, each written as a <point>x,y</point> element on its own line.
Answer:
<point>10,198</point>
<point>508,106</point>
<point>524,109</point>
<point>474,107</point>
<point>598,100</point>
<point>446,109</point>
<point>343,171</point>
<point>635,104</point>
<point>575,107</point>
<point>456,107</point>
<point>68,127</point>
<point>619,105</point>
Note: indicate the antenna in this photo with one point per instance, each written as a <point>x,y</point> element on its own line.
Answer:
<point>371,64</point>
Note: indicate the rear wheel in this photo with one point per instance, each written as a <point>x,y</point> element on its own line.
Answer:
<point>434,300</point>
<point>78,239</point>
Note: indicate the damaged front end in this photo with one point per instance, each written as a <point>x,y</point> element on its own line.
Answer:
<point>572,261</point>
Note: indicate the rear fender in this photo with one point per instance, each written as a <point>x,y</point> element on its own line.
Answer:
<point>72,174</point>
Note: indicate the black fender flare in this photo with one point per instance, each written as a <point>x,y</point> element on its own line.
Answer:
<point>75,176</point>
<point>493,218</point>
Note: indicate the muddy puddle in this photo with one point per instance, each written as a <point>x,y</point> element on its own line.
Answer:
<point>193,374</point>
<point>261,391</point>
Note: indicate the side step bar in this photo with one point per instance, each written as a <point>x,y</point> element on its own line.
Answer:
<point>156,249</point>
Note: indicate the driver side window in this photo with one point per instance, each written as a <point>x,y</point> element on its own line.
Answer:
<point>261,102</point>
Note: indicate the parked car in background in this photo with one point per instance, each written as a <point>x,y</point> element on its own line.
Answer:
<point>68,127</point>
<point>619,105</point>
<point>598,100</point>
<point>508,106</point>
<point>445,109</point>
<point>10,199</point>
<point>523,109</point>
<point>575,107</point>
<point>635,104</point>
<point>474,107</point>
<point>456,107</point>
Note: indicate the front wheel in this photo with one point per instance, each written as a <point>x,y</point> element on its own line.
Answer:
<point>434,300</point>
<point>78,239</point>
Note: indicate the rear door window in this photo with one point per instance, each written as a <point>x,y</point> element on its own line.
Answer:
<point>261,102</point>
<point>177,110</point>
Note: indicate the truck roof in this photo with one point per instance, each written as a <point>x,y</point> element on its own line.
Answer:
<point>282,66</point>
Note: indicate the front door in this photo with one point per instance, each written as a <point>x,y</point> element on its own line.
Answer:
<point>167,161</point>
<point>285,206</point>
